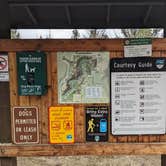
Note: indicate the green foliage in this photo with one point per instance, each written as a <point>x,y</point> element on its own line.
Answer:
<point>15,34</point>
<point>139,33</point>
<point>75,34</point>
<point>96,33</point>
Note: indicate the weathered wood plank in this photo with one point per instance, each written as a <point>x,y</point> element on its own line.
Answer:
<point>83,149</point>
<point>24,100</point>
<point>14,99</point>
<point>8,161</point>
<point>71,45</point>
<point>36,101</point>
<point>54,81</point>
<point>79,123</point>
<point>45,103</point>
<point>61,45</point>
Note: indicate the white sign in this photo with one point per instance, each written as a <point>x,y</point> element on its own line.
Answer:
<point>138,48</point>
<point>4,75</point>
<point>138,96</point>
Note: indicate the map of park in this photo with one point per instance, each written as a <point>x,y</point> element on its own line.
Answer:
<point>83,77</point>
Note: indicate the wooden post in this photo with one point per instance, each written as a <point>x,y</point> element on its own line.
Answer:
<point>163,160</point>
<point>8,161</point>
<point>4,86</point>
<point>164,32</point>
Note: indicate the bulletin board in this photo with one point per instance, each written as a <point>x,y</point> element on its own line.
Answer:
<point>116,144</point>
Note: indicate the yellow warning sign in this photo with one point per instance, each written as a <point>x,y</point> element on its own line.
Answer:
<point>61,124</point>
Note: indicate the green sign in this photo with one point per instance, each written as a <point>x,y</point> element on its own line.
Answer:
<point>139,41</point>
<point>138,47</point>
<point>31,69</point>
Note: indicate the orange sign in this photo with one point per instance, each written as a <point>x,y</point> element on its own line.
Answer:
<point>61,124</point>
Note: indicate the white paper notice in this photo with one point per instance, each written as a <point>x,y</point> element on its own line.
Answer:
<point>138,100</point>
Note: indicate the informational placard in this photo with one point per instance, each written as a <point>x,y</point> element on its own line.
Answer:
<point>32,73</point>
<point>138,96</point>
<point>4,73</point>
<point>97,123</point>
<point>83,77</point>
<point>25,125</point>
<point>61,124</point>
<point>138,47</point>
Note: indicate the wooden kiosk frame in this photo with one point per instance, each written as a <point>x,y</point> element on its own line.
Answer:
<point>140,144</point>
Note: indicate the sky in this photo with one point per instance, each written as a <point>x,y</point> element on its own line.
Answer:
<point>59,33</point>
<point>56,34</point>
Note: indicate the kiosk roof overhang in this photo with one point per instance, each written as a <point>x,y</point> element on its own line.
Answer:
<point>87,13</point>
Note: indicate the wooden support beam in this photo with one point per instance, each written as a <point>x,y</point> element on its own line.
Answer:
<point>83,149</point>
<point>163,160</point>
<point>8,161</point>
<point>72,45</point>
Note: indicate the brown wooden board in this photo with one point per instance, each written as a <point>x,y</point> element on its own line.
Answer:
<point>83,149</point>
<point>141,144</point>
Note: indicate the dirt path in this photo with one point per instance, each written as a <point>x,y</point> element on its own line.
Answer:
<point>91,161</point>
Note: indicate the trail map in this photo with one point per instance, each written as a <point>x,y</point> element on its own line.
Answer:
<point>83,77</point>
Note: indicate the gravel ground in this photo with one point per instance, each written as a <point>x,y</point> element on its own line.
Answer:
<point>91,161</point>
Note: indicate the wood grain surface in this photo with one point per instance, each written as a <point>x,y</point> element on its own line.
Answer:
<point>139,144</point>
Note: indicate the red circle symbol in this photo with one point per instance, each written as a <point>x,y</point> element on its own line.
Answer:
<point>3,63</point>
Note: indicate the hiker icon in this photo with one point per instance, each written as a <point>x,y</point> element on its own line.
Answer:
<point>91,126</point>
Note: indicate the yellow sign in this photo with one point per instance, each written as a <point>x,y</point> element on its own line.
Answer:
<point>61,124</point>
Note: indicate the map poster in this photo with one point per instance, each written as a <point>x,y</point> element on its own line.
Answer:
<point>61,124</point>
<point>32,73</point>
<point>83,77</point>
<point>138,95</point>
<point>140,47</point>
<point>97,123</point>
<point>4,73</point>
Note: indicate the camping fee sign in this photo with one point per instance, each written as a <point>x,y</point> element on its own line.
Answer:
<point>25,125</point>
<point>32,70</point>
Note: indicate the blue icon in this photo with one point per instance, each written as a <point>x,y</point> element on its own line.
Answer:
<point>103,125</point>
<point>69,137</point>
<point>160,63</point>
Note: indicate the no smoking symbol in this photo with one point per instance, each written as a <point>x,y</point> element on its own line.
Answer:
<point>3,63</point>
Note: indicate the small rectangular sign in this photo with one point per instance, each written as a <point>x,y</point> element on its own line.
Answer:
<point>61,124</point>
<point>97,123</point>
<point>25,125</point>
<point>138,47</point>
<point>4,74</point>
<point>32,73</point>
